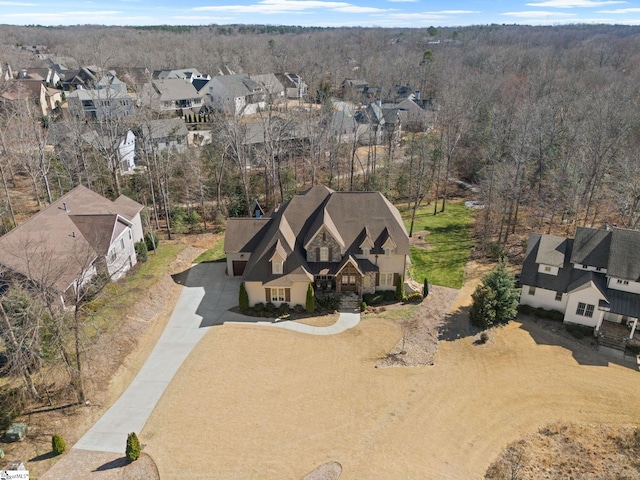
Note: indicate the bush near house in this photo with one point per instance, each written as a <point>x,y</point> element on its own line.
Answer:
<point>243,300</point>
<point>496,298</point>
<point>151,239</point>
<point>310,304</point>
<point>141,251</point>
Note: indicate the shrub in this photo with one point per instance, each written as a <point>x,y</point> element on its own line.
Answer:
<point>58,446</point>
<point>373,298</point>
<point>11,405</point>
<point>193,220</point>
<point>400,289</point>
<point>389,295</point>
<point>259,307</point>
<point>270,307</point>
<point>328,303</point>
<point>151,239</point>
<point>414,298</point>
<point>484,337</point>
<point>310,304</point>
<point>141,251</point>
<point>363,306</point>
<point>298,308</point>
<point>283,309</point>
<point>541,312</point>
<point>579,331</point>
<point>425,288</point>
<point>178,220</point>
<point>243,298</point>
<point>132,451</point>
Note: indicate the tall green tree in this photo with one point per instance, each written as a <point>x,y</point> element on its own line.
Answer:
<point>496,298</point>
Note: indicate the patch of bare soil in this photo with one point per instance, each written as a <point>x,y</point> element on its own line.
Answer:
<point>421,331</point>
<point>571,451</point>
<point>327,471</point>
<point>419,239</point>
<point>111,362</point>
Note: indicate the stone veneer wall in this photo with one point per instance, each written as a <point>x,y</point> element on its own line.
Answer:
<point>330,242</point>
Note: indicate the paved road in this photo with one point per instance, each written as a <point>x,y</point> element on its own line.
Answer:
<point>205,301</point>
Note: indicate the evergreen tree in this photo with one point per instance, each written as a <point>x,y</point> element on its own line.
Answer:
<point>133,447</point>
<point>496,299</point>
<point>310,304</point>
<point>400,289</point>
<point>243,300</point>
<point>425,288</point>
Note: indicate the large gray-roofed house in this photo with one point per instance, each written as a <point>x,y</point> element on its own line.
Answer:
<point>236,93</point>
<point>591,279</point>
<point>76,237</point>
<point>171,94</point>
<point>338,241</point>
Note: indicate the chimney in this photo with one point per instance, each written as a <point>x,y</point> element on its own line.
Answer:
<point>64,205</point>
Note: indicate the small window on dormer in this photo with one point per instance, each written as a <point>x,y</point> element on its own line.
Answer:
<point>547,269</point>
<point>277,268</point>
<point>324,254</point>
<point>387,252</point>
<point>365,252</point>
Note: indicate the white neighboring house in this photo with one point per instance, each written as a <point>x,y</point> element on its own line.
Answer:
<point>592,278</point>
<point>127,152</point>
<point>68,243</point>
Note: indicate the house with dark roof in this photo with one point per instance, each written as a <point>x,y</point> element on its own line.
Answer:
<point>294,86</point>
<point>593,278</point>
<point>339,242</point>
<point>77,237</point>
<point>236,93</point>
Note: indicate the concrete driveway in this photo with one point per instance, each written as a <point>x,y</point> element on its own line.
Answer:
<point>205,301</point>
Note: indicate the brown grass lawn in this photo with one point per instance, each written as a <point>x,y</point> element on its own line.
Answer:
<point>255,402</point>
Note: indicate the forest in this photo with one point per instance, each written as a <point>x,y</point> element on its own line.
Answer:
<point>544,120</point>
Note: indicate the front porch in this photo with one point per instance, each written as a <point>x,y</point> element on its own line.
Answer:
<point>614,337</point>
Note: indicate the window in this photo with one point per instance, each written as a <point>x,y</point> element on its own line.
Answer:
<point>365,252</point>
<point>348,279</point>
<point>277,268</point>
<point>387,252</point>
<point>558,296</point>
<point>585,310</point>
<point>113,255</point>
<point>386,279</point>
<point>324,254</point>
<point>623,282</point>
<point>122,243</point>
<point>585,266</point>
<point>277,294</point>
<point>547,269</point>
<point>532,290</point>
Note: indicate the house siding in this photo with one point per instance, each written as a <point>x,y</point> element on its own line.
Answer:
<point>120,260</point>
<point>257,293</point>
<point>632,287</point>
<point>589,296</point>
<point>543,299</point>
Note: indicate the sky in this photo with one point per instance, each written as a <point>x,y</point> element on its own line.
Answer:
<point>324,13</point>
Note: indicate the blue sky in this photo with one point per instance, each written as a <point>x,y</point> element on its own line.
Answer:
<point>383,13</point>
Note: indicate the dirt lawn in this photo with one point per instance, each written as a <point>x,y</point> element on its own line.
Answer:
<point>254,402</point>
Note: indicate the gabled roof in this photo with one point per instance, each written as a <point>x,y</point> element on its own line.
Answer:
<point>552,251</point>
<point>58,243</point>
<point>624,259</point>
<point>173,89</point>
<point>591,247</point>
<point>345,214</point>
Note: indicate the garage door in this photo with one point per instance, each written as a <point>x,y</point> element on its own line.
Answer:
<point>238,267</point>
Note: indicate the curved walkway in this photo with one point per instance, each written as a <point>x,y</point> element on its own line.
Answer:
<point>345,321</point>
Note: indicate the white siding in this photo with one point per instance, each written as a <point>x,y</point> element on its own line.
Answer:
<point>543,299</point>
<point>119,259</point>
<point>589,296</point>
<point>548,270</point>
<point>633,287</point>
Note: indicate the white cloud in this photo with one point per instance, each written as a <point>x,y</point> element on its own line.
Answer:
<point>538,14</point>
<point>290,6</point>
<point>16,4</point>
<point>403,1</point>
<point>574,3</point>
<point>621,10</point>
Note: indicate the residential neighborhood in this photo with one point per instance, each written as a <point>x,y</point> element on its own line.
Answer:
<point>330,252</point>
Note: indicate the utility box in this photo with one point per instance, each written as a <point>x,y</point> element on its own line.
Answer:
<point>15,432</point>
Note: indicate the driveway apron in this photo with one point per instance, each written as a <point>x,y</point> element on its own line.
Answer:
<point>204,301</point>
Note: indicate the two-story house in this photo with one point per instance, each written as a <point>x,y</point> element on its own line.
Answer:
<point>337,241</point>
<point>592,278</point>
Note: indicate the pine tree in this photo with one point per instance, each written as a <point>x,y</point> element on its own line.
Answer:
<point>425,288</point>
<point>400,289</point>
<point>496,299</point>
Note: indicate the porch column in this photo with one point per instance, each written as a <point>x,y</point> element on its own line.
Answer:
<point>633,329</point>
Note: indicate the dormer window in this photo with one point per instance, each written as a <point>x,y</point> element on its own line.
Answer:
<point>365,252</point>
<point>547,268</point>
<point>387,252</point>
<point>324,254</point>
<point>277,268</point>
